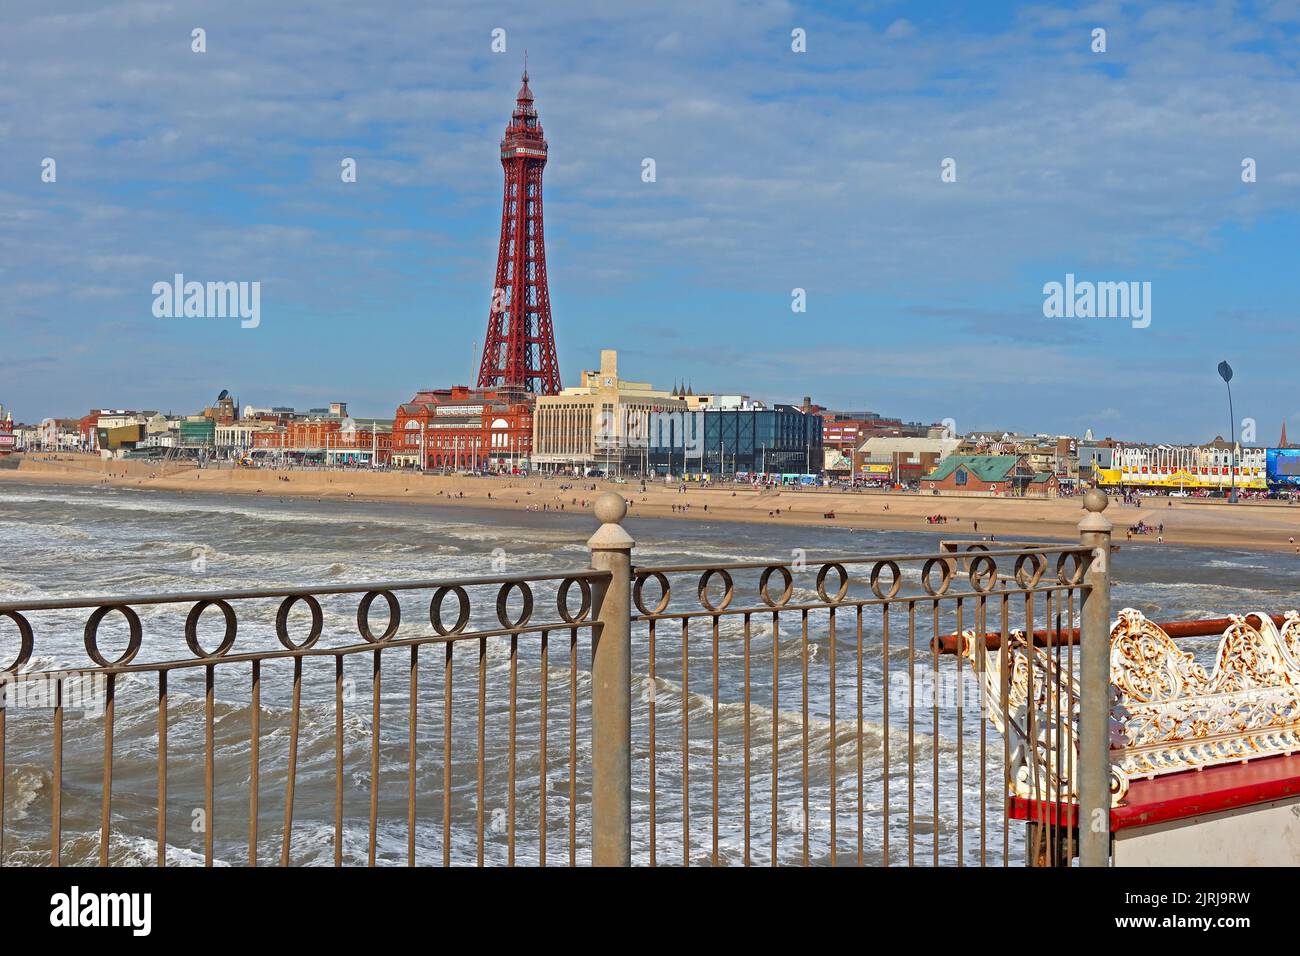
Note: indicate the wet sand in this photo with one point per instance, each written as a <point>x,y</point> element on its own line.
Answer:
<point>1263,525</point>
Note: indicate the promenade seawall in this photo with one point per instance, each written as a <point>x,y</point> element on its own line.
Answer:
<point>1254,526</point>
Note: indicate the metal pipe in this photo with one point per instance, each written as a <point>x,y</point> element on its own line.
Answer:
<point>1051,637</point>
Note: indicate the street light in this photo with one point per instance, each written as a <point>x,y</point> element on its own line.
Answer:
<point>1225,373</point>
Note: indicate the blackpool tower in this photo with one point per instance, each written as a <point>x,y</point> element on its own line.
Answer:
<point>519,350</point>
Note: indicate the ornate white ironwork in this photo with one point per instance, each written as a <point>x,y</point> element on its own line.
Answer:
<point>1167,713</point>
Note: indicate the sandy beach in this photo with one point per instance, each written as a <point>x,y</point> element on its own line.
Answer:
<point>1264,525</point>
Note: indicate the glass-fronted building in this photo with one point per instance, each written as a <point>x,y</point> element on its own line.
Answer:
<point>198,432</point>
<point>781,440</point>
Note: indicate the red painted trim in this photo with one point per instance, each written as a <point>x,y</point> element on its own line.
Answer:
<point>1177,796</point>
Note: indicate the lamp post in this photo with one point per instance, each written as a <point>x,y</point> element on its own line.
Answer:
<point>1225,373</point>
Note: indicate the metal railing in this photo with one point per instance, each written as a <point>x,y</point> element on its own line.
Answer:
<point>810,711</point>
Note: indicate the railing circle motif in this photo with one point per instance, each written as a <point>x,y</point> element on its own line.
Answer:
<point>282,621</point>
<point>1076,574</point>
<point>503,604</point>
<point>562,600</point>
<point>435,610</point>
<point>983,573</point>
<point>895,579</point>
<point>363,616</point>
<point>92,635</point>
<point>665,589</point>
<point>1028,581</point>
<point>25,641</point>
<point>192,628</point>
<point>928,568</point>
<point>821,583</point>
<point>728,591</point>
<point>787,589</point>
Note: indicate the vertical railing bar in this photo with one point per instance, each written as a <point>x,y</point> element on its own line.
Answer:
<point>776,696</point>
<point>413,698</point>
<point>573,746</point>
<point>482,742</point>
<point>1031,739</point>
<point>803,615</point>
<point>510,769</point>
<point>56,795</point>
<point>4,706</point>
<point>1054,703</point>
<point>1004,690</point>
<point>686,744</point>
<point>338,759</point>
<point>654,688</point>
<point>293,760</point>
<point>376,688</point>
<point>1051,613</point>
<point>254,751</point>
<point>747,740</point>
<point>1069,709</point>
<point>884,745</point>
<point>446,754</point>
<point>981,666</point>
<point>934,746</point>
<point>162,768</point>
<point>106,803</point>
<point>715,740</point>
<point>542,748</point>
<point>209,759</point>
<point>911,733</point>
<point>961,780</point>
<point>835,745</point>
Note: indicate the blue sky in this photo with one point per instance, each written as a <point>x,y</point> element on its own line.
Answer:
<point>775,170</point>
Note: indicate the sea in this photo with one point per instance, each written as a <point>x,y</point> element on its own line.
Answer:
<point>491,783</point>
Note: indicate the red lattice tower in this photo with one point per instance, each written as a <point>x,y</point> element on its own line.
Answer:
<point>519,351</point>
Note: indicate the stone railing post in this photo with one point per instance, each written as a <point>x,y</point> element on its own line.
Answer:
<point>1094,688</point>
<point>611,687</point>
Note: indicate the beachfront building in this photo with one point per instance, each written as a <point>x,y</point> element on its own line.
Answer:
<point>463,429</point>
<point>323,441</point>
<point>840,440</point>
<point>27,437</point>
<point>901,460</point>
<point>990,476</point>
<point>197,432</point>
<point>603,423</point>
<point>781,441</point>
<point>8,443</point>
<point>1094,455</point>
<point>1187,469</point>
<point>235,440</point>
<point>59,434</point>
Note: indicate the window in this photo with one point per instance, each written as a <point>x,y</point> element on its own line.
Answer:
<point>961,476</point>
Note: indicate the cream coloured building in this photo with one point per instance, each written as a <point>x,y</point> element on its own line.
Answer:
<point>600,424</point>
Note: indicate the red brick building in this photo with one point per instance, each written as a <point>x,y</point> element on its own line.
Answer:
<point>86,426</point>
<point>462,428</point>
<point>329,440</point>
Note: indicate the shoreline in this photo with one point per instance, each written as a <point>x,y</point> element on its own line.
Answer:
<point>1263,526</point>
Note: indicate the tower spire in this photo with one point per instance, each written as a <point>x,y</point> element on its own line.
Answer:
<point>519,350</point>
